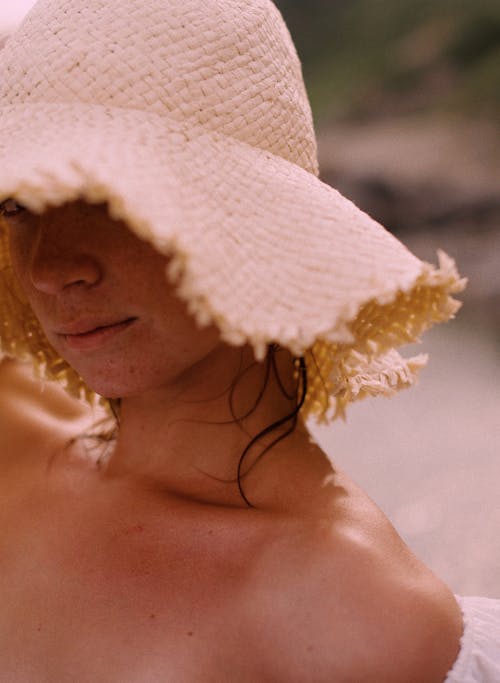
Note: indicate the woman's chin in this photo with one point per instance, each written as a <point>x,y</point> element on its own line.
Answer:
<point>119,387</point>
<point>110,387</point>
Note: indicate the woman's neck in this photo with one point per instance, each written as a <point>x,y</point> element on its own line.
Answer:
<point>184,440</point>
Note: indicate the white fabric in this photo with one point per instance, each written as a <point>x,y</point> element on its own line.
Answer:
<point>479,658</point>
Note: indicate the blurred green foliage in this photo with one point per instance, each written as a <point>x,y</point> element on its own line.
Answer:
<point>370,58</point>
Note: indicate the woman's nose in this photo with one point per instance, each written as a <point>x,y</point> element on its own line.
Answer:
<point>55,268</point>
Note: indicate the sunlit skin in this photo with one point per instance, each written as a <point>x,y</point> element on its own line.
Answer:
<point>152,568</point>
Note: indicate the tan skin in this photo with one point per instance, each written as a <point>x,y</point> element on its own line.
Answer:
<point>150,568</point>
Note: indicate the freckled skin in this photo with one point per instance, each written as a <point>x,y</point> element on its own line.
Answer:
<point>75,261</point>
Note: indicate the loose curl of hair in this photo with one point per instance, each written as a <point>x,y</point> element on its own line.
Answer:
<point>298,397</point>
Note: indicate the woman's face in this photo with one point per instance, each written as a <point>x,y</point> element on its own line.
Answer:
<point>103,299</point>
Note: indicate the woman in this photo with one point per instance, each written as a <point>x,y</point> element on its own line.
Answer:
<point>167,246</point>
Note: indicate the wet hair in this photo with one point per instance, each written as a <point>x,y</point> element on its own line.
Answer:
<point>289,420</point>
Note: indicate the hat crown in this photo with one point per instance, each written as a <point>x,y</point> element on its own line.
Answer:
<point>227,65</point>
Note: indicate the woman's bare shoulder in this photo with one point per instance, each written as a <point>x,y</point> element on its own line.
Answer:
<point>361,606</point>
<point>406,621</point>
<point>33,415</point>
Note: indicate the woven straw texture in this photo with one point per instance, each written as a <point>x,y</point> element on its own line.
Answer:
<point>191,120</point>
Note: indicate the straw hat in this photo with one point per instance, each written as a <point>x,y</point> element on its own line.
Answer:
<point>191,120</point>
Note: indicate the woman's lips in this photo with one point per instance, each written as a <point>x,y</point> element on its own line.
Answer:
<point>89,341</point>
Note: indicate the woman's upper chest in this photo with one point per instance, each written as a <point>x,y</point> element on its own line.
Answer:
<point>92,591</point>
<point>105,584</point>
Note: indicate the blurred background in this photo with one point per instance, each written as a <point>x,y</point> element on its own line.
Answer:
<point>406,99</point>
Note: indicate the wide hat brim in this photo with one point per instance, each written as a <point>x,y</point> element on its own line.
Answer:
<point>259,246</point>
